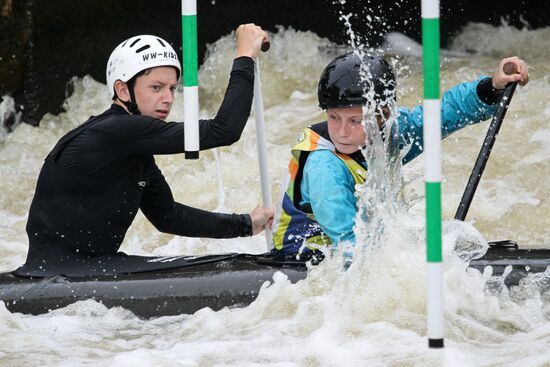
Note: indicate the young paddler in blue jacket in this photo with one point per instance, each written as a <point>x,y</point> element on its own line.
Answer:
<point>319,206</point>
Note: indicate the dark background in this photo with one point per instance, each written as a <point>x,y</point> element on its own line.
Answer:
<point>45,43</point>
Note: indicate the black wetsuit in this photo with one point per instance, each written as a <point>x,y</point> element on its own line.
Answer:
<point>101,173</point>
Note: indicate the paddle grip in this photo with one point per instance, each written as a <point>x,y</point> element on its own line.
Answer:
<point>265,46</point>
<point>509,68</point>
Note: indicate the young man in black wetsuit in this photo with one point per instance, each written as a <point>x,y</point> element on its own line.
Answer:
<point>101,173</point>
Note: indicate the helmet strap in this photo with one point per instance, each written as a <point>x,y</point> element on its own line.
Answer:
<point>131,105</point>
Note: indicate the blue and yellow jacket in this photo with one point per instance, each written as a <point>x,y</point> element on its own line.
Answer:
<point>319,206</point>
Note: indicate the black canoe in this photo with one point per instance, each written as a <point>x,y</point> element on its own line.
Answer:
<point>214,281</point>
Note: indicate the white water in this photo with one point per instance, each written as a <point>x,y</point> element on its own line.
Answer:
<point>372,315</point>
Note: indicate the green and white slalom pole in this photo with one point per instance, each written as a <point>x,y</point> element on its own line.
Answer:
<point>432,176</point>
<point>190,78</point>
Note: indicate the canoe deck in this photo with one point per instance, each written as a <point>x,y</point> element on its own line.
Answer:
<point>215,281</point>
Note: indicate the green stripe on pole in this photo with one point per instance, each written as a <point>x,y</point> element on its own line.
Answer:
<point>190,58</point>
<point>433,221</point>
<point>430,55</point>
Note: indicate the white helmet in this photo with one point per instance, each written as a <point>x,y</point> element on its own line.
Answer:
<point>137,54</point>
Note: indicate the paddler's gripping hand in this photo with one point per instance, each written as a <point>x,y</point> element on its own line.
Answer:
<point>260,218</point>
<point>250,39</point>
<point>505,72</point>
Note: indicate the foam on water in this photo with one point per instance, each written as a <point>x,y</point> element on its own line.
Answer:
<point>373,314</point>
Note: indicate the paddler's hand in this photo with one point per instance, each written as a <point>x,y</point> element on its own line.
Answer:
<point>250,38</point>
<point>260,217</point>
<point>504,76</point>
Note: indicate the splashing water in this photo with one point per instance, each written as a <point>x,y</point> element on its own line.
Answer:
<point>379,198</point>
<point>9,117</point>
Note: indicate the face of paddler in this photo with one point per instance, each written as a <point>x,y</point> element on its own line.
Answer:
<point>345,127</point>
<point>154,91</point>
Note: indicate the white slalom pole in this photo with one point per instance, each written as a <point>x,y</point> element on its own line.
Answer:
<point>262,149</point>
<point>190,78</point>
<point>432,147</point>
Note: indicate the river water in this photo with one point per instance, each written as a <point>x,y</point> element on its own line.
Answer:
<point>371,315</point>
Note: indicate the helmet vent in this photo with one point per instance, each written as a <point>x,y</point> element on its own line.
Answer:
<point>161,43</point>
<point>143,48</point>
<point>133,43</point>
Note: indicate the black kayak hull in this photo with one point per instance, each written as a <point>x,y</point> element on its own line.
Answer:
<point>522,262</point>
<point>231,280</point>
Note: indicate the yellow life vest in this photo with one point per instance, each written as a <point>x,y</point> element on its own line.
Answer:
<point>295,227</point>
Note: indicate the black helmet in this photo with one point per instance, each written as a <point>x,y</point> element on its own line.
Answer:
<point>344,83</point>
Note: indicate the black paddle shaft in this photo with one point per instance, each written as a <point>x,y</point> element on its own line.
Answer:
<point>485,151</point>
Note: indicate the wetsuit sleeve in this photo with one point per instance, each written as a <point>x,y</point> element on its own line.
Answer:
<point>168,216</point>
<point>226,128</point>
<point>460,106</point>
<point>329,187</point>
<point>142,135</point>
<point>487,93</point>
